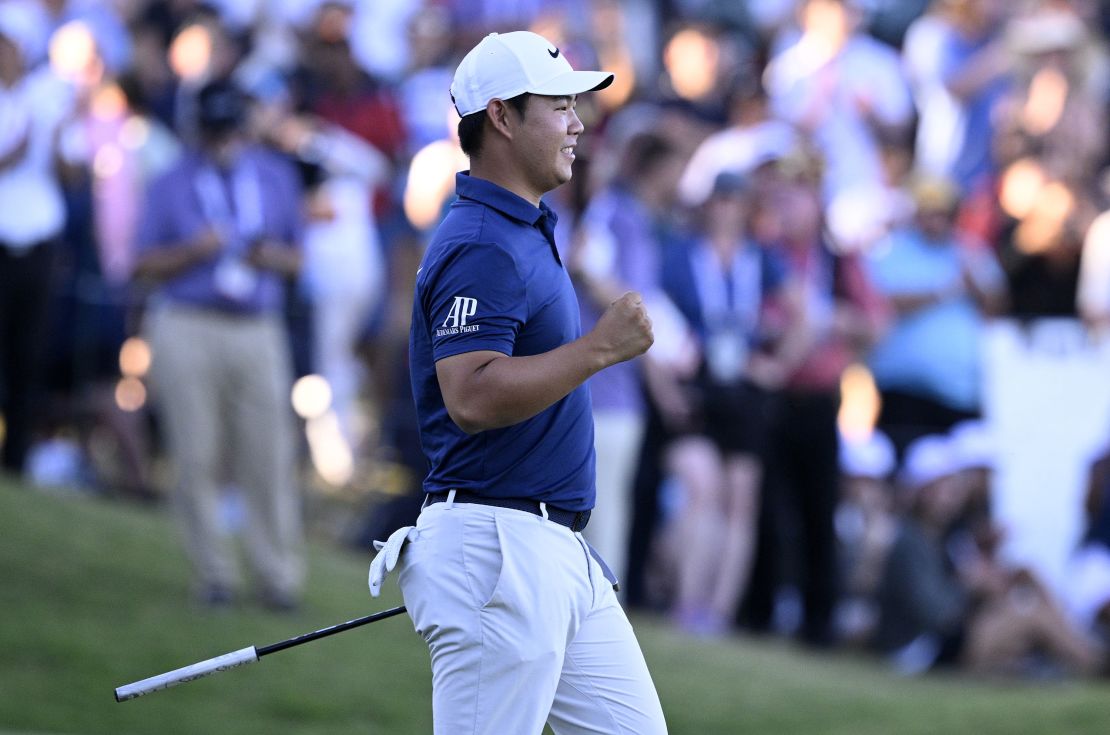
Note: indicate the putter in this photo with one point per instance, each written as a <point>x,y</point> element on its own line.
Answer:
<point>247,655</point>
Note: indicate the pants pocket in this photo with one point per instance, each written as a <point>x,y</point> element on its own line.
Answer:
<point>483,556</point>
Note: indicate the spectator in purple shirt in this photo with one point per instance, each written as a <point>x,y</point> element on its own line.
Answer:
<point>220,235</point>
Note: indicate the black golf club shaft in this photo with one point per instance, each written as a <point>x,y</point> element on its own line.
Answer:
<point>331,630</point>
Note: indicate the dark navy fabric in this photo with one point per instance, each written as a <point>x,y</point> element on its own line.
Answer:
<point>492,279</point>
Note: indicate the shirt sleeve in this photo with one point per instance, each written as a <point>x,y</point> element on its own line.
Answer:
<point>476,301</point>
<point>886,79</point>
<point>154,229</point>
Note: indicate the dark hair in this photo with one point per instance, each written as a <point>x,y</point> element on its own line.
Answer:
<point>471,126</point>
<point>643,154</point>
<point>221,108</point>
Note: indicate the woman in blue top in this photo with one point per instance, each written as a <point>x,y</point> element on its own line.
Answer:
<point>927,365</point>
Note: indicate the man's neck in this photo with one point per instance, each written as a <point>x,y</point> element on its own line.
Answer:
<point>505,177</point>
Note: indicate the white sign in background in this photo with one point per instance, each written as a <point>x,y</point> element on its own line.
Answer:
<point>1047,398</point>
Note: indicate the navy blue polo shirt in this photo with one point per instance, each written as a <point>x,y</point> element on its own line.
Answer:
<point>492,279</point>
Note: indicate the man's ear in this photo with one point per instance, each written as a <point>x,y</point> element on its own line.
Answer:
<point>498,112</point>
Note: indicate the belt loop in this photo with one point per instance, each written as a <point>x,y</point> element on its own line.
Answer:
<point>451,498</point>
<point>543,510</point>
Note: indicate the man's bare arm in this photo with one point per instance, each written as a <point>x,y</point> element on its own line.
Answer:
<point>488,390</point>
<point>161,264</point>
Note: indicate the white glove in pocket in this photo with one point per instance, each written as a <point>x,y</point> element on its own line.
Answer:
<point>388,554</point>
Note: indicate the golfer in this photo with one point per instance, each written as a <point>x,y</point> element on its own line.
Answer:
<point>520,618</point>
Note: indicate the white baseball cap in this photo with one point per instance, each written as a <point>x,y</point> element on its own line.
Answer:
<point>504,65</point>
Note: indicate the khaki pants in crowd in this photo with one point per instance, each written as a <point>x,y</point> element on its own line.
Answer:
<point>222,383</point>
<point>617,438</point>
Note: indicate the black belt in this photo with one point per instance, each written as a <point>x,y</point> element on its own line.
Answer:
<point>574,520</point>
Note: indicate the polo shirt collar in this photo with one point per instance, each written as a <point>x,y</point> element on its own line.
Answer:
<point>502,199</point>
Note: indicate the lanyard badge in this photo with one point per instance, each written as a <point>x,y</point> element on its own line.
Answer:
<point>235,211</point>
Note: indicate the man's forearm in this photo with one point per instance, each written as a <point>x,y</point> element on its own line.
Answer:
<point>274,256</point>
<point>504,390</point>
<point>164,263</point>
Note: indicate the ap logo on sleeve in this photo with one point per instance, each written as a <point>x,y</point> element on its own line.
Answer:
<point>462,309</point>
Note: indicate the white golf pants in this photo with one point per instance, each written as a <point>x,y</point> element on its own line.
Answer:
<point>523,628</point>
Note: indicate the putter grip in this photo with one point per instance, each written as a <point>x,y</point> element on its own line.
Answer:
<point>187,673</point>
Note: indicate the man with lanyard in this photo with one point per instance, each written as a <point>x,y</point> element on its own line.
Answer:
<point>521,621</point>
<point>221,230</point>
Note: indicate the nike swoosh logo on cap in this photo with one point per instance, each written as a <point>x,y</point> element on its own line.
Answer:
<point>554,54</point>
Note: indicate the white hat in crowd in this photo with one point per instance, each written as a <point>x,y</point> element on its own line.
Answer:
<point>504,65</point>
<point>872,457</point>
<point>974,445</point>
<point>928,459</point>
<point>1045,31</point>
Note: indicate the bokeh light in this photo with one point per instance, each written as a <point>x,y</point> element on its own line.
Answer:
<point>825,24</point>
<point>311,396</point>
<point>431,180</point>
<point>331,454</point>
<point>691,59</point>
<point>859,403</point>
<point>108,103</point>
<point>1044,225</point>
<point>134,357</point>
<point>130,394</point>
<point>1020,187</point>
<point>190,53</point>
<point>73,54</point>
<point>1048,94</point>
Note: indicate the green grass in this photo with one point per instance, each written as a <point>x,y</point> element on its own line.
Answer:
<point>93,595</point>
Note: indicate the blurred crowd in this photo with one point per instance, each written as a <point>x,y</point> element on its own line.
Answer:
<point>211,214</point>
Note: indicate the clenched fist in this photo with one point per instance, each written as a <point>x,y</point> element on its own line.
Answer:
<point>624,330</point>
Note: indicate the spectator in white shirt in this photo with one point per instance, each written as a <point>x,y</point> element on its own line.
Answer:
<point>33,103</point>
<point>840,85</point>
